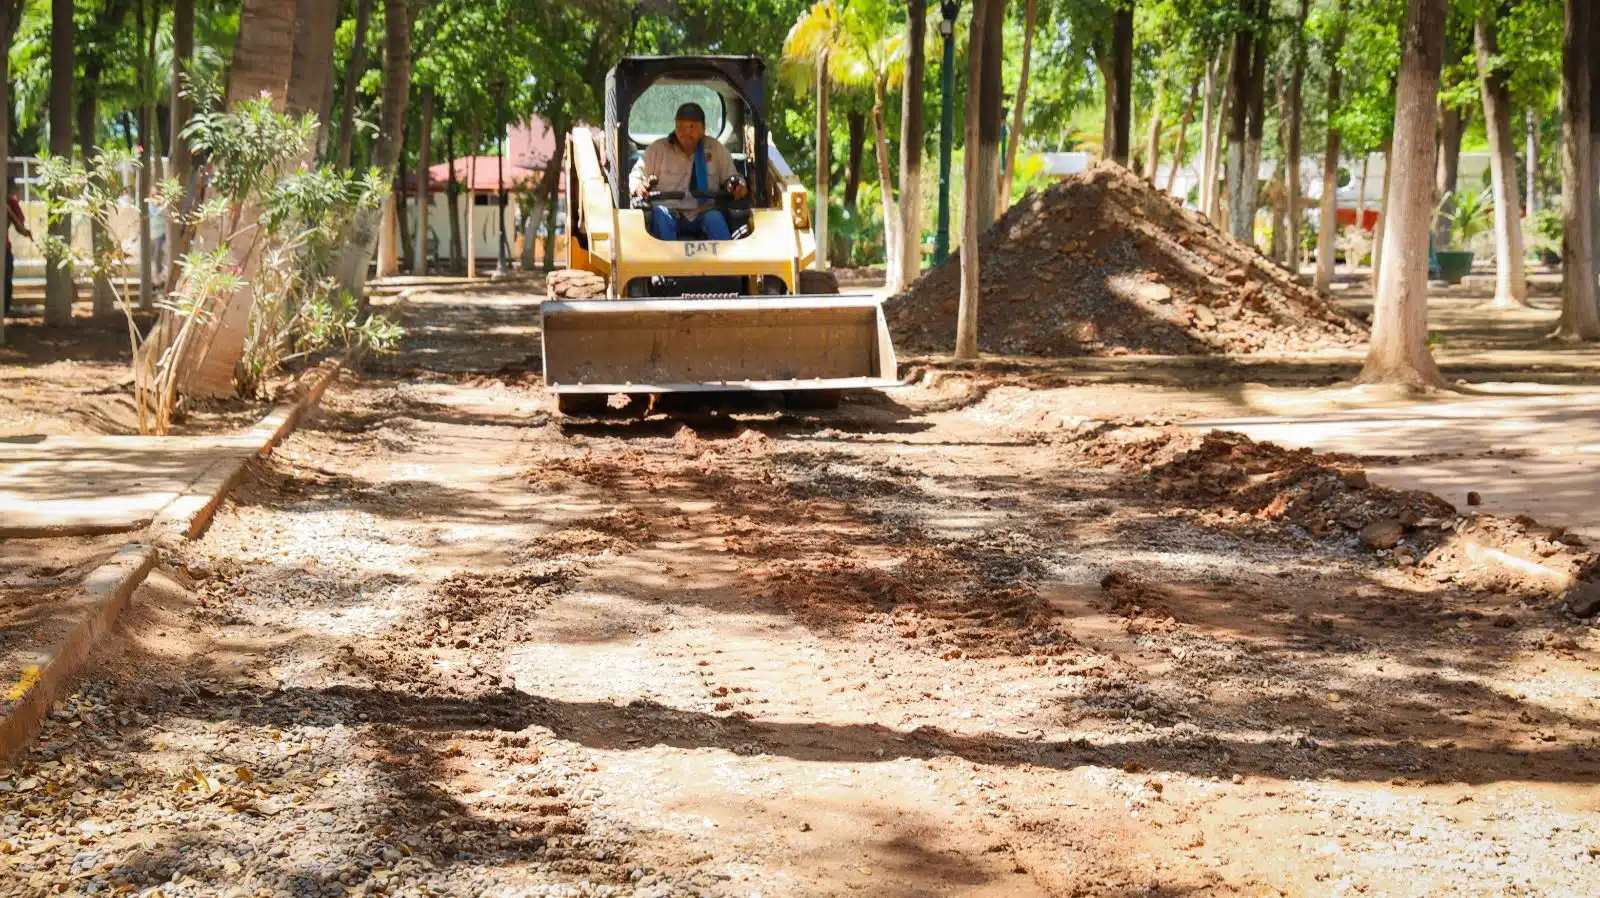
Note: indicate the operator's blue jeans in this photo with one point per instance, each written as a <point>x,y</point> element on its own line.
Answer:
<point>666,225</point>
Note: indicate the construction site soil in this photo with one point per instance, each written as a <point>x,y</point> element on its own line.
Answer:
<point>445,641</point>
<point>1104,264</point>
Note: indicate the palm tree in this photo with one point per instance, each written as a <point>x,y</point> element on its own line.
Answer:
<point>872,56</point>
<point>807,50</point>
<point>10,17</point>
<point>60,290</point>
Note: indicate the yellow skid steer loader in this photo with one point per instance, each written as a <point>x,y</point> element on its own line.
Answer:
<point>634,314</point>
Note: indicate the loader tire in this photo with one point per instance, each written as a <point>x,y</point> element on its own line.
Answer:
<point>813,282</point>
<point>574,283</point>
<point>812,400</point>
<point>581,403</point>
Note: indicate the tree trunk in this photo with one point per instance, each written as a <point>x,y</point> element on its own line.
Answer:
<point>1278,188</point>
<point>424,185</point>
<point>1212,176</point>
<point>1258,122</point>
<point>973,190</point>
<point>1328,217</point>
<point>352,79</point>
<point>263,56</point>
<point>1383,210</point>
<point>554,199</point>
<point>180,161</point>
<point>1399,350</point>
<point>1008,179</point>
<point>1239,212</point>
<point>1183,134</point>
<point>387,146</point>
<point>60,290</point>
<point>1533,160</point>
<point>314,24</point>
<point>855,125</point>
<point>1594,155</point>
<point>1580,320</point>
<point>1152,156</point>
<point>911,134</point>
<point>1296,148</point>
<point>891,213</point>
<point>1511,280</point>
<point>147,157</point>
<point>454,190</point>
<point>401,196</point>
<point>1108,83</point>
<point>105,298</point>
<point>1122,56</point>
<point>991,111</point>
<point>472,207</point>
<point>1452,127</point>
<point>1209,116</point>
<point>819,222</point>
<point>10,17</point>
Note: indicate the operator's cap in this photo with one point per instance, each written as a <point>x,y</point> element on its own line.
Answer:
<point>691,112</point>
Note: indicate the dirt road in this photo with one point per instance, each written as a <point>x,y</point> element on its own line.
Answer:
<point>447,642</point>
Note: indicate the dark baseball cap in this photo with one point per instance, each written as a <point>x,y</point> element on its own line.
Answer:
<point>691,112</point>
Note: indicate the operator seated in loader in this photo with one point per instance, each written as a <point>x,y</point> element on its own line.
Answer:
<point>679,170</point>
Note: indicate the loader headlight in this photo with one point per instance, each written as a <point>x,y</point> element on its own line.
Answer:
<point>800,209</point>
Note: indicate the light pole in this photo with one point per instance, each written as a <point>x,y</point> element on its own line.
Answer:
<point>502,267</point>
<point>947,115</point>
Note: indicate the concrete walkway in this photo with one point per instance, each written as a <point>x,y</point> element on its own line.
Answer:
<point>1525,448</point>
<point>67,485</point>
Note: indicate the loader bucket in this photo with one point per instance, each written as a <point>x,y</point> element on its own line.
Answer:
<point>831,342</point>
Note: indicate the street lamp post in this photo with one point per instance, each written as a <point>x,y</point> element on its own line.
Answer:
<point>502,267</point>
<point>947,115</point>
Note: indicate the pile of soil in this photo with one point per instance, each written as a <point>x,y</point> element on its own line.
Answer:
<point>1239,481</point>
<point>1104,264</point>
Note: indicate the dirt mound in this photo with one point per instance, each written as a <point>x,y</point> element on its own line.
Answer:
<point>1239,482</point>
<point>1104,264</point>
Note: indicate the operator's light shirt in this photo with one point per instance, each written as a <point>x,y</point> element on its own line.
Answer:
<point>673,169</point>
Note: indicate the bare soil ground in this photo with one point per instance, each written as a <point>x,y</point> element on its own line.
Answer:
<point>58,380</point>
<point>954,642</point>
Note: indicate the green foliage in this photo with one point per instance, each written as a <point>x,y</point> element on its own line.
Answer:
<point>249,146</point>
<point>1542,232</point>
<point>1470,213</point>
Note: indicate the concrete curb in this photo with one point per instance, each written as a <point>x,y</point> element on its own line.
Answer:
<point>101,598</point>
<point>187,516</point>
<point>94,605</point>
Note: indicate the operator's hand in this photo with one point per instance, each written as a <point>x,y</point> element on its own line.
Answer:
<point>740,191</point>
<point>643,190</point>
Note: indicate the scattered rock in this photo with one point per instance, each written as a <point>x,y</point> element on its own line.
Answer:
<point>1584,599</point>
<point>1383,534</point>
<point>1474,498</point>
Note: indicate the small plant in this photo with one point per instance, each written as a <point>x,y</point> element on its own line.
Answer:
<point>1542,233</point>
<point>91,191</point>
<point>1470,216</point>
<point>272,225</point>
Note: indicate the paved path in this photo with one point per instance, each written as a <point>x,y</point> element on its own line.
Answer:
<point>61,485</point>
<point>1525,449</point>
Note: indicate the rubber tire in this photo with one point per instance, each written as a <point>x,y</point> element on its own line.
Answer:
<point>812,400</point>
<point>580,403</point>
<point>815,283</point>
<point>574,283</point>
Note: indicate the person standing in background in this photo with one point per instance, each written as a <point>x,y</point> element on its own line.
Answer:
<point>14,219</point>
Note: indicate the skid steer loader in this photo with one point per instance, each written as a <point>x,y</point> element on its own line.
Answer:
<point>635,315</point>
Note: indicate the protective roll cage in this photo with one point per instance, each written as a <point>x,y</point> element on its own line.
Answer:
<point>634,74</point>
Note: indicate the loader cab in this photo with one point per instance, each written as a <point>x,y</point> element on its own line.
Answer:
<point>643,93</point>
